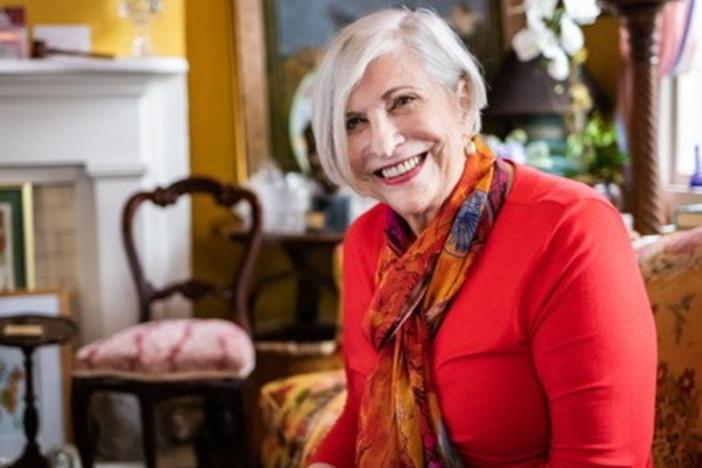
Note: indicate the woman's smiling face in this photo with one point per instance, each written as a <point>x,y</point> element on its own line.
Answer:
<point>406,136</point>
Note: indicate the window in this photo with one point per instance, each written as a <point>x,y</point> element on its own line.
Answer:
<point>688,120</point>
<point>680,128</point>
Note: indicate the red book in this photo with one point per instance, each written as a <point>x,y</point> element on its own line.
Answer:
<point>13,33</point>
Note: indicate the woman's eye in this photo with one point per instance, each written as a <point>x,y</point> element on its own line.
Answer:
<point>401,101</point>
<point>353,123</point>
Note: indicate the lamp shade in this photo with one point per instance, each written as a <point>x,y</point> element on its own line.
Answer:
<point>524,89</point>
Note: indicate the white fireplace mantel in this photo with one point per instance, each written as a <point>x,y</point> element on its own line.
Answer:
<point>111,128</point>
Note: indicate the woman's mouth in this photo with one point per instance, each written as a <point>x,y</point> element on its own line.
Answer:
<point>402,171</point>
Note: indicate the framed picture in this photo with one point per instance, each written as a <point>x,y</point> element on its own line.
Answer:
<point>52,370</point>
<point>294,35</point>
<point>16,237</point>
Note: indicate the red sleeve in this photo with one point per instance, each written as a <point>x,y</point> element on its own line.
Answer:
<point>593,343</point>
<point>361,247</point>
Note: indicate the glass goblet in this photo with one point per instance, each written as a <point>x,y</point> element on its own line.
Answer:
<point>141,13</point>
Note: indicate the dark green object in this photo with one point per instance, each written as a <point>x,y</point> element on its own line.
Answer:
<point>13,197</point>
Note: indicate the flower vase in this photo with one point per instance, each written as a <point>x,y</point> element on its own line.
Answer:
<point>579,99</point>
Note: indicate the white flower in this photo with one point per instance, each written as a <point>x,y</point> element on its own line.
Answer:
<point>548,42</point>
<point>526,44</point>
<point>545,8</point>
<point>535,20</point>
<point>582,11</point>
<point>541,37</point>
<point>558,66</point>
<point>572,38</point>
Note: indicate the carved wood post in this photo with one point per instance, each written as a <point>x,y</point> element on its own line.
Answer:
<point>639,17</point>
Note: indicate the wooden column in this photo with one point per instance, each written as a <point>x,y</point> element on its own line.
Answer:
<point>640,17</point>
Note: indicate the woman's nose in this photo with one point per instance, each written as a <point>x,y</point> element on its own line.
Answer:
<point>385,136</point>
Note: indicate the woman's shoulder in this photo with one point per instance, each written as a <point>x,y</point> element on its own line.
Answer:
<point>549,206</point>
<point>532,186</point>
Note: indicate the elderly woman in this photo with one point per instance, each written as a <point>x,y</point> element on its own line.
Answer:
<point>493,315</point>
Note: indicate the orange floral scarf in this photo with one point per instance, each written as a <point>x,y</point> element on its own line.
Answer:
<point>400,422</point>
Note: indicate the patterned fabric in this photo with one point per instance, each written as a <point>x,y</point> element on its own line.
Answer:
<point>171,349</point>
<point>672,269</point>
<point>400,419</point>
<point>297,414</point>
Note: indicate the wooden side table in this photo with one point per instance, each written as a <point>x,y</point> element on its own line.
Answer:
<point>28,332</point>
<point>310,280</point>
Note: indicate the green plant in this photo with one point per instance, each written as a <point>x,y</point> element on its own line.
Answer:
<point>596,152</point>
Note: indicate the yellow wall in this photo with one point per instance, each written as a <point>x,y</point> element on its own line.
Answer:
<point>602,43</point>
<point>214,109</point>
<point>212,87</point>
<point>110,33</point>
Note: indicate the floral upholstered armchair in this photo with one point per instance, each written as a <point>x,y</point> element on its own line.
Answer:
<point>672,269</point>
<point>299,411</point>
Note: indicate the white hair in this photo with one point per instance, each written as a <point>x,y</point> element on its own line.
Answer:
<point>444,57</point>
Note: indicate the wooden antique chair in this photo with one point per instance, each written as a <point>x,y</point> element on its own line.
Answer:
<point>155,360</point>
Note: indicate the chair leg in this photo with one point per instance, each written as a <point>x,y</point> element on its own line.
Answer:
<point>81,394</point>
<point>208,445</point>
<point>148,432</point>
<point>240,428</point>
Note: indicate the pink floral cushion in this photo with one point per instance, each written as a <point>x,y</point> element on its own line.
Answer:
<point>171,349</point>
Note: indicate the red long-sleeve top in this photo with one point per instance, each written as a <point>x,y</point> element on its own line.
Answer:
<point>547,356</point>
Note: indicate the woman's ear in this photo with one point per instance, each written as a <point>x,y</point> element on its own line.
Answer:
<point>463,94</point>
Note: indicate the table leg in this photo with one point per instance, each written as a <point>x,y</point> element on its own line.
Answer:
<point>31,457</point>
<point>309,284</point>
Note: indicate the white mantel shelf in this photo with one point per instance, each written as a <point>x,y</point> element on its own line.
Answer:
<point>71,66</point>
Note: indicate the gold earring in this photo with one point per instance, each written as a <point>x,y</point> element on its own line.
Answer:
<point>470,147</point>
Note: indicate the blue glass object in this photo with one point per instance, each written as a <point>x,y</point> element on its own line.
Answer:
<point>696,179</point>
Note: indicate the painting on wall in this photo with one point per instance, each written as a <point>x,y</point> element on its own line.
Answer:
<point>297,31</point>
<point>16,237</point>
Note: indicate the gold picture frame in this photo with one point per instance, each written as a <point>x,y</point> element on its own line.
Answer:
<point>17,265</point>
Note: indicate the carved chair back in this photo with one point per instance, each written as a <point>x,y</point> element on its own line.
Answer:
<point>235,292</point>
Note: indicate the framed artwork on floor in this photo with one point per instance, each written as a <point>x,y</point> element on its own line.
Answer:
<point>16,237</point>
<point>52,370</point>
